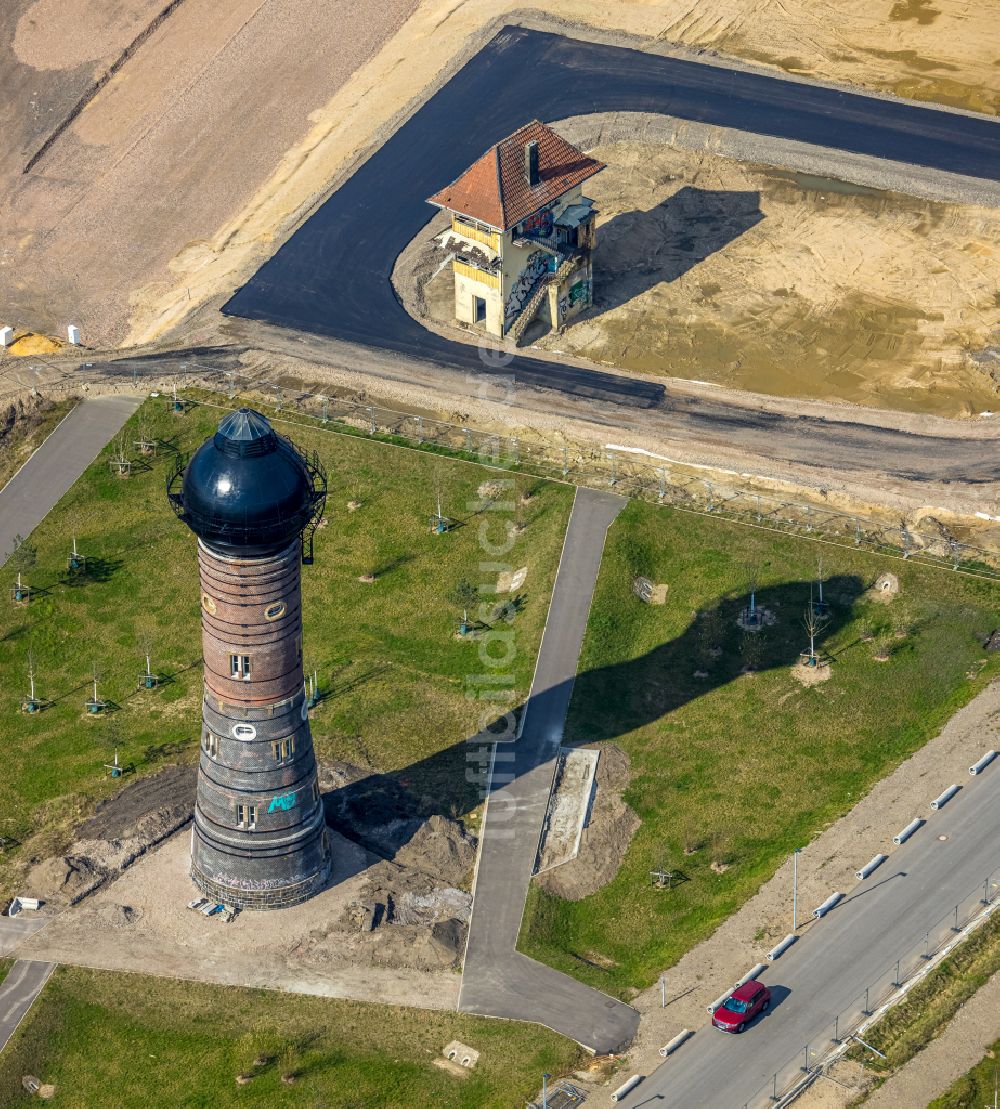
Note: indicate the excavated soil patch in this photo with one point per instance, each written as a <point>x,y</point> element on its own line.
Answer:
<point>606,837</point>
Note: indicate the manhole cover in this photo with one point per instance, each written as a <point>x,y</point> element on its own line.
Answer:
<point>942,838</point>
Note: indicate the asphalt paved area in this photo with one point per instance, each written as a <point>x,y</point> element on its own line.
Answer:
<point>497,980</point>
<point>855,946</point>
<point>15,930</point>
<point>37,487</point>
<point>17,993</point>
<point>333,276</point>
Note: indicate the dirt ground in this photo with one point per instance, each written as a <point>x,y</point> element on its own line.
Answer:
<point>391,926</point>
<point>148,166</point>
<point>140,923</point>
<point>605,838</point>
<point>760,279</point>
<point>140,172</point>
<point>827,863</point>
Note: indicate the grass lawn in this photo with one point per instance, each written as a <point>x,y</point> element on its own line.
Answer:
<point>133,1041</point>
<point>392,670</point>
<point>738,769</point>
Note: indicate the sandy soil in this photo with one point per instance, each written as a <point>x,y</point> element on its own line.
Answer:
<point>827,863</point>
<point>760,279</point>
<point>168,184</point>
<point>140,923</point>
<point>176,142</point>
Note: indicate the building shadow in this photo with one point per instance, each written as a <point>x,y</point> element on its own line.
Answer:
<point>382,811</point>
<point>637,250</point>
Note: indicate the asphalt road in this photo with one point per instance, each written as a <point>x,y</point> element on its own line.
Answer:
<point>17,993</point>
<point>497,980</point>
<point>856,945</point>
<point>37,487</point>
<point>332,277</point>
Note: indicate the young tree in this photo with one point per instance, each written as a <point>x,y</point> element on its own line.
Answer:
<point>814,623</point>
<point>22,559</point>
<point>752,572</point>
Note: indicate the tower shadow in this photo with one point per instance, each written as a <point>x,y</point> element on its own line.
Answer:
<point>639,249</point>
<point>381,811</point>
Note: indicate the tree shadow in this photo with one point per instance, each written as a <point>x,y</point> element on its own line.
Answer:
<point>381,811</point>
<point>94,569</point>
<point>637,250</point>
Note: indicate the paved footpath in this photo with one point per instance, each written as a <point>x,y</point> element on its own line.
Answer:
<point>497,979</point>
<point>17,993</point>
<point>48,474</point>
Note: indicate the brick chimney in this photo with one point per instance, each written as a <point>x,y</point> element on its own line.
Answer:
<point>531,162</point>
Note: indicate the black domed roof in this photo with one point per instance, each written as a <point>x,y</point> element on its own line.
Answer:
<point>247,490</point>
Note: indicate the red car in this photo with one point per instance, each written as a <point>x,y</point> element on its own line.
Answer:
<point>736,1012</point>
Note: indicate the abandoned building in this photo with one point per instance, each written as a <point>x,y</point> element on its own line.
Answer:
<point>259,839</point>
<point>521,233</point>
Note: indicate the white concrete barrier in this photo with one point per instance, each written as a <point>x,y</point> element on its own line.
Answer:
<point>984,762</point>
<point>828,904</point>
<point>870,867</point>
<point>779,949</point>
<point>750,975</point>
<point>720,1001</point>
<point>626,1087</point>
<point>672,1045</point>
<point>904,835</point>
<point>6,336</point>
<point>940,802</point>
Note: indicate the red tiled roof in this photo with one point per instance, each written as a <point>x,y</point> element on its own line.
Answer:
<point>494,189</point>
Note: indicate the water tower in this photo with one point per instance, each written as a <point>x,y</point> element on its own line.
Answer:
<point>259,839</point>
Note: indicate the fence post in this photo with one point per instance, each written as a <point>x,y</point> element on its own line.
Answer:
<point>896,981</point>
<point>866,1011</point>
<point>836,1029</point>
<point>806,1067</point>
<point>955,927</point>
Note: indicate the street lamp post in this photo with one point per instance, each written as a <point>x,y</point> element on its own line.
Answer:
<point>795,889</point>
<point>663,992</point>
<point>545,1090</point>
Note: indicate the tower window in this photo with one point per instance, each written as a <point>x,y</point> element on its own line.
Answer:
<point>211,745</point>
<point>239,667</point>
<point>246,816</point>
<point>283,748</point>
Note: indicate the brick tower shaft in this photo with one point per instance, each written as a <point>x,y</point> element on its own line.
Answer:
<point>259,837</point>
